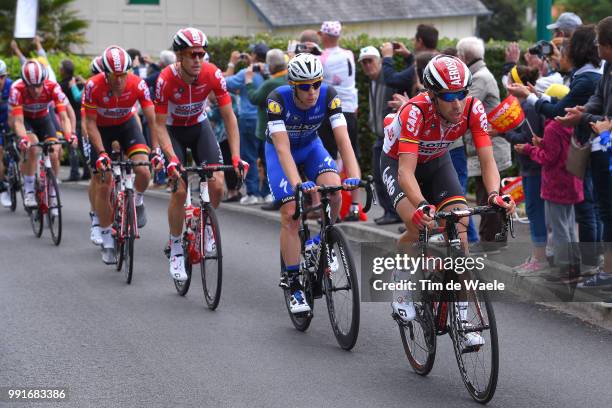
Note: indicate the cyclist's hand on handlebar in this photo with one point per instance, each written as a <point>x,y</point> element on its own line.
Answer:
<point>423,215</point>
<point>174,166</point>
<point>24,143</point>
<point>308,186</point>
<point>74,141</point>
<point>504,201</point>
<point>238,163</point>
<point>351,183</point>
<point>103,163</point>
<point>156,159</point>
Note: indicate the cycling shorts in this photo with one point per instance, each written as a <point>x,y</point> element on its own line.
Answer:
<point>128,135</point>
<point>200,139</point>
<point>437,180</point>
<point>43,128</point>
<point>314,159</point>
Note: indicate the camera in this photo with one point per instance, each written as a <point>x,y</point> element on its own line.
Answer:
<point>301,47</point>
<point>396,45</point>
<point>542,49</point>
<point>256,68</point>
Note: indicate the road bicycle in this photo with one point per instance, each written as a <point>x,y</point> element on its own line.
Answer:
<point>12,173</point>
<point>327,268</point>
<point>442,311</point>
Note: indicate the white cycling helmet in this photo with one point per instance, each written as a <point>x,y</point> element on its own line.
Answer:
<point>2,68</point>
<point>304,68</point>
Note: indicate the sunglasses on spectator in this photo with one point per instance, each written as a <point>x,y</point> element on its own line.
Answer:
<point>306,87</point>
<point>453,96</point>
<point>197,54</point>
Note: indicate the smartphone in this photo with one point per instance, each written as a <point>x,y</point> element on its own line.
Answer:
<point>256,68</point>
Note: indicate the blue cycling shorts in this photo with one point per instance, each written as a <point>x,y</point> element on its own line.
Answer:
<point>313,158</point>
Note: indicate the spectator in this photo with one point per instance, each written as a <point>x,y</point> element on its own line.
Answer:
<point>139,65</point>
<point>5,86</point>
<point>598,107</point>
<point>166,57</point>
<point>565,25</point>
<point>308,42</point>
<point>484,87</point>
<point>42,56</point>
<point>378,98</point>
<point>560,191</point>
<point>247,122</point>
<point>277,65</point>
<point>425,39</point>
<point>530,172</point>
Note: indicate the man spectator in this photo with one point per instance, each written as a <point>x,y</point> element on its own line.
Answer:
<point>484,87</point>
<point>378,98</point>
<point>425,39</point>
<point>339,72</point>
<point>247,122</point>
<point>277,65</point>
<point>565,25</point>
<point>166,57</point>
<point>139,65</point>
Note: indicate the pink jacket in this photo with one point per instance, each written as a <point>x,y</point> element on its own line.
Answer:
<point>558,185</point>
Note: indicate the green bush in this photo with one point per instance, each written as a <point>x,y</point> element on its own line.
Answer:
<point>81,64</point>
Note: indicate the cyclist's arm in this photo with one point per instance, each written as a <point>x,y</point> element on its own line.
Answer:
<point>162,136</point>
<point>490,174</point>
<point>408,149</point>
<point>149,114</point>
<point>72,117</point>
<point>66,125</point>
<point>407,180</point>
<point>283,149</point>
<point>18,124</point>
<point>95,138</point>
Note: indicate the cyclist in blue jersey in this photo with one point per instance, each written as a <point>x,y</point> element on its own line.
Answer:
<point>5,87</point>
<point>295,112</point>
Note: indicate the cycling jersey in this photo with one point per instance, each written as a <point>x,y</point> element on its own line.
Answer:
<point>110,110</point>
<point>22,103</point>
<point>417,129</point>
<point>184,103</point>
<point>301,125</point>
<point>339,71</point>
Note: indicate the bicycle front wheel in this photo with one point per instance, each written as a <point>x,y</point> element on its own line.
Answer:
<point>54,213</point>
<point>341,289</point>
<point>419,338</point>
<point>129,235</point>
<point>211,265</point>
<point>478,364</point>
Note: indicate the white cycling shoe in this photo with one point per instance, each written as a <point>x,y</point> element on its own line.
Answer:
<point>297,302</point>
<point>404,309</point>
<point>29,200</point>
<point>472,339</point>
<point>5,199</point>
<point>95,235</point>
<point>210,246</point>
<point>177,268</point>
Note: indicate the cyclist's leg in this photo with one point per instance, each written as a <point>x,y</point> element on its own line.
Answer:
<point>4,196</point>
<point>176,206</point>
<point>205,149</point>
<point>30,162</point>
<point>321,167</point>
<point>103,185</point>
<point>48,133</point>
<point>133,143</point>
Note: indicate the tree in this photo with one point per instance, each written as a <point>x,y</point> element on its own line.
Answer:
<point>590,11</point>
<point>58,24</point>
<point>506,22</point>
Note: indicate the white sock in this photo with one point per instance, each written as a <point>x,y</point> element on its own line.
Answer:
<point>139,199</point>
<point>28,184</point>
<point>401,295</point>
<point>107,237</point>
<point>176,247</point>
<point>463,309</point>
<point>94,219</point>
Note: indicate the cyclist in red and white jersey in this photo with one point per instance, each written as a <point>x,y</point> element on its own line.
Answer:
<point>109,100</point>
<point>29,101</point>
<point>181,123</point>
<point>416,166</point>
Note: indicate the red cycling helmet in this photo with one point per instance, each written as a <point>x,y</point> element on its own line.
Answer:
<point>116,60</point>
<point>446,73</point>
<point>189,37</point>
<point>33,73</point>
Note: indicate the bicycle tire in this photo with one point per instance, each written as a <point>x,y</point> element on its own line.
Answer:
<point>300,321</point>
<point>54,222</point>
<point>118,226</point>
<point>212,278</point>
<point>425,322</point>
<point>129,236</point>
<point>14,183</point>
<point>36,216</point>
<point>485,395</point>
<point>333,285</point>
<point>183,287</point>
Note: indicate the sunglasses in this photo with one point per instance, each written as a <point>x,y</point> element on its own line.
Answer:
<point>453,96</point>
<point>197,54</point>
<point>117,76</point>
<point>306,87</point>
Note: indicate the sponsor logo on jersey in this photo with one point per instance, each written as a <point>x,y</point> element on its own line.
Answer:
<point>413,117</point>
<point>478,109</point>
<point>188,109</point>
<point>284,184</point>
<point>388,180</point>
<point>335,103</point>
<point>274,107</point>
<point>114,112</point>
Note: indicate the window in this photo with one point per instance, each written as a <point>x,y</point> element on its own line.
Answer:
<point>147,2</point>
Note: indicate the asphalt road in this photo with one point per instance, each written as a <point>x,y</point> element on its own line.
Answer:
<point>68,320</point>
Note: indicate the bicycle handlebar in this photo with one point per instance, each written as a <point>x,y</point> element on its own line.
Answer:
<point>209,168</point>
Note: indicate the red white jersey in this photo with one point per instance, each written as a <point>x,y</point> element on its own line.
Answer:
<point>417,129</point>
<point>184,103</point>
<point>22,103</point>
<point>111,110</point>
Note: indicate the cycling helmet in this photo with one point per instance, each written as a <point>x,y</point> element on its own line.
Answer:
<point>33,73</point>
<point>304,68</point>
<point>3,68</point>
<point>446,73</point>
<point>96,65</point>
<point>116,60</point>
<point>189,37</point>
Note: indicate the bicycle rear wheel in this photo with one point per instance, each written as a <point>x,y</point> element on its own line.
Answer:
<point>183,287</point>
<point>419,338</point>
<point>36,214</point>
<point>54,213</point>
<point>301,321</point>
<point>341,289</point>
<point>211,265</point>
<point>478,365</point>
<point>118,226</point>
<point>14,177</point>
<point>129,236</point>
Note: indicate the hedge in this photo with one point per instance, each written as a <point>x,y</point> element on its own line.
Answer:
<point>221,48</point>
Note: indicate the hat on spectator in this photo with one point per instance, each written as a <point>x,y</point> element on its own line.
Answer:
<point>368,52</point>
<point>260,49</point>
<point>333,28</point>
<point>566,21</point>
<point>557,91</point>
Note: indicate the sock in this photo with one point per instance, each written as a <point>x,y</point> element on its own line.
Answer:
<point>176,247</point>
<point>94,219</point>
<point>107,237</point>
<point>139,199</point>
<point>401,296</point>
<point>292,273</point>
<point>463,309</point>
<point>28,184</point>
